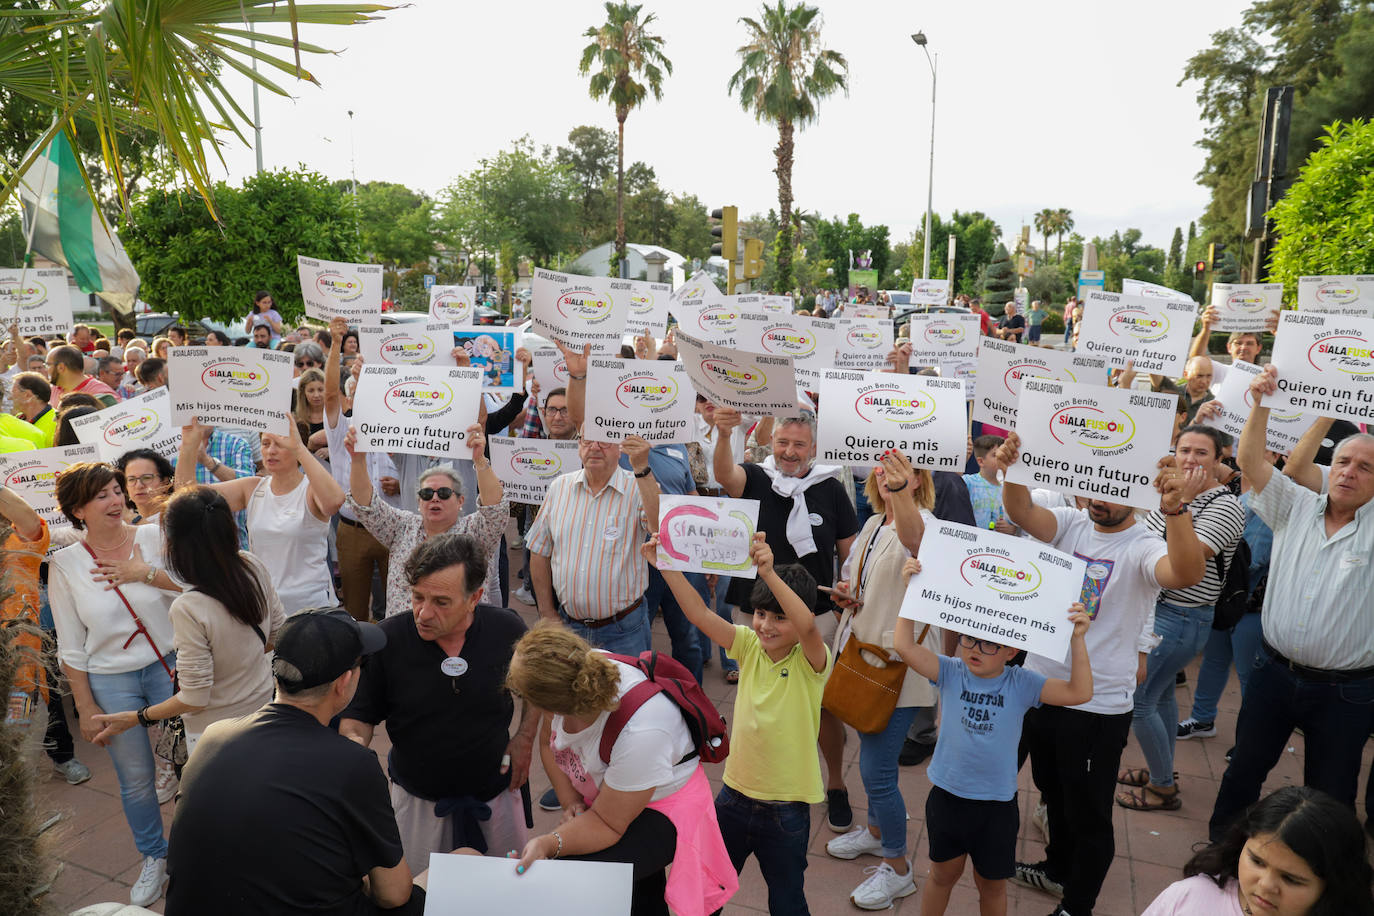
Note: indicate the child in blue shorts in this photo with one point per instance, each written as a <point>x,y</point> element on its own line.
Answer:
<point>971,811</point>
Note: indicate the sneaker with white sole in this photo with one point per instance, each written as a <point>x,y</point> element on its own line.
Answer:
<point>150,882</point>
<point>838,814</point>
<point>1040,817</point>
<point>523,595</point>
<point>1037,879</point>
<point>165,781</point>
<point>855,843</point>
<point>74,771</point>
<point>1192,728</point>
<point>882,886</point>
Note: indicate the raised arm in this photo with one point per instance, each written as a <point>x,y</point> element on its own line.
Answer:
<point>917,657</point>
<point>1301,466</point>
<point>323,491</point>
<point>798,614</point>
<point>577,381</point>
<point>730,475</point>
<point>897,478</point>
<point>637,450</point>
<point>359,484</point>
<point>1079,687</point>
<point>1253,438</point>
<point>1186,563</point>
<point>333,395</point>
<point>1199,345</point>
<point>717,629</point>
<point>1037,521</point>
<point>26,522</point>
<point>235,490</point>
<point>489,489</point>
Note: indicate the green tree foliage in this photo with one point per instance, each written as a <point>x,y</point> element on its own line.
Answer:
<point>1176,249</point>
<point>590,156</point>
<point>690,233</point>
<point>999,285</point>
<point>203,270</point>
<point>1228,271</point>
<point>837,239</point>
<point>1326,222</point>
<point>784,73</point>
<point>1044,224</point>
<point>396,225</point>
<point>1122,255</point>
<point>1324,49</point>
<point>976,236</point>
<point>1050,283</point>
<point>1063,223</point>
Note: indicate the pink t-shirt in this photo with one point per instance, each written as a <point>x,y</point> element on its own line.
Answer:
<point>1197,896</point>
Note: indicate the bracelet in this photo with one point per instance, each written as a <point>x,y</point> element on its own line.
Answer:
<point>217,466</point>
<point>644,473</point>
<point>559,851</point>
<point>1182,508</point>
<point>897,489</point>
<point>143,718</point>
<point>578,378</point>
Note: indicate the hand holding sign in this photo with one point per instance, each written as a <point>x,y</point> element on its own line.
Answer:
<point>761,554</point>
<point>711,535</point>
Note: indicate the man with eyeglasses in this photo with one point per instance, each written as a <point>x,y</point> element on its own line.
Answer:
<point>552,420</point>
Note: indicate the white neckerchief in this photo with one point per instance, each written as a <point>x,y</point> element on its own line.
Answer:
<point>798,523</point>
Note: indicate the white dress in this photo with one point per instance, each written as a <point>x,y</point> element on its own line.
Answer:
<point>292,544</point>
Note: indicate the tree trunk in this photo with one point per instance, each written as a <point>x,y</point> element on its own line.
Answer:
<point>782,282</point>
<point>620,189</point>
<point>1059,249</point>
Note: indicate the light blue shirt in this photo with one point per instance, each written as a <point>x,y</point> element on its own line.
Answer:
<point>986,499</point>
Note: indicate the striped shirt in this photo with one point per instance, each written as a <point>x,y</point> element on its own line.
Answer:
<point>592,541</point>
<point>1319,605</point>
<point>1219,520</point>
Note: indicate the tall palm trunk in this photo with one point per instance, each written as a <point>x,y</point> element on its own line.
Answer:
<point>620,115</point>
<point>1059,248</point>
<point>783,282</point>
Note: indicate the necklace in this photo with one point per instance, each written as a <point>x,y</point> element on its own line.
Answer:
<point>128,534</point>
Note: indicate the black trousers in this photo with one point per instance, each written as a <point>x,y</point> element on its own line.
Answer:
<point>57,741</point>
<point>1074,758</point>
<point>649,844</point>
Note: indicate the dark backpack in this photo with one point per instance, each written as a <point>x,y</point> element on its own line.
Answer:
<point>1234,602</point>
<point>671,678</point>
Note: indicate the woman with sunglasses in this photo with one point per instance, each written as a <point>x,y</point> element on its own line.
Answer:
<point>288,514</point>
<point>441,504</point>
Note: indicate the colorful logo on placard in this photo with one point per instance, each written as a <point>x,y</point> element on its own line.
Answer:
<point>894,405</point>
<point>534,463</point>
<point>1093,427</point>
<point>236,375</point>
<point>406,350</point>
<point>136,427</point>
<point>699,524</point>
<point>24,295</point>
<point>1343,353</point>
<point>926,289</point>
<point>455,307</point>
<point>943,334</point>
<point>35,475</point>
<point>418,397</point>
<point>864,337</point>
<point>1336,293</point>
<point>641,303</point>
<point>690,291</point>
<point>718,319</point>
<point>339,287</point>
<point>1001,574</point>
<point>647,391</point>
<point>585,306</point>
<point>744,379</point>
<point>1245,302</point>
<point>789,341</point>
<point>1139,324</point>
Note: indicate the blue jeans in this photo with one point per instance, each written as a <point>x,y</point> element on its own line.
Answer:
<point>1335,717</point>
<point>1183,632</point>
<point>629,636</point>
<point>878,767</point>
<point>776,834</point>
<point>1242,644</point>
<point>686,638</point>
<point>724,611</point>
<point>861,507</point>
<point>132,752</point>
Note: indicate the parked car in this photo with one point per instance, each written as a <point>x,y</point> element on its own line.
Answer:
<point>155,324</point>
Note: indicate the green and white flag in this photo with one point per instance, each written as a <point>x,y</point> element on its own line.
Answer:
<point>65,227</point>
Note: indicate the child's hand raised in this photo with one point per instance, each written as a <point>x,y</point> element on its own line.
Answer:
<point>649,550</point>
<point>912,567</point>
<point>761,554</point>
<point>1079,617</point>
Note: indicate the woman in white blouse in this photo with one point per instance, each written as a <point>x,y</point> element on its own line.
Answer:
<point>114,640</point>
<point>288,514</point>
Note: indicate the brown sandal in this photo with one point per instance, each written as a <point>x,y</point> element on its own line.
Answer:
<point>1137,777</point>
<point>1139,801</point>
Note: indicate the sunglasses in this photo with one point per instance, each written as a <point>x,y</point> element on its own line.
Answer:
<point>985,646</point>
<point>428,493</point>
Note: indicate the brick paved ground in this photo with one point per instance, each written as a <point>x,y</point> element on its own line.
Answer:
<point>99,862</point>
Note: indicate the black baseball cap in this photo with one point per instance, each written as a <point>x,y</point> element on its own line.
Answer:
<point>321,644</point>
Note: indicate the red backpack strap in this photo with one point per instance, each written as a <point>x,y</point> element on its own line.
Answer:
<point>634,698</point>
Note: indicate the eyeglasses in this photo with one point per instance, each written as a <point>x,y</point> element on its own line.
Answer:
<point>985,646</point>
<point>556,411</point>
<point>306,364</point>
<point>145,480</point>
<point>428,493</point>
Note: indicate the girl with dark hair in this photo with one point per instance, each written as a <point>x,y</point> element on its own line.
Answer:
<point>223,624</point>
<point>264,312</point>
<point>148,478</point>
<point>1297,852</point>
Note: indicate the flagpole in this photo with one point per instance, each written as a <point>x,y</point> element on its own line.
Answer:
<point>32,227</point>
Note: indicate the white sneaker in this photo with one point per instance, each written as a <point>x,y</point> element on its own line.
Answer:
<point>882,886</point>
<point>523,595</point>
<point>165,781</point>
<point>148,887</point>
<point>1040,817</point>
<point>855,843</point>
<point>74,771</point>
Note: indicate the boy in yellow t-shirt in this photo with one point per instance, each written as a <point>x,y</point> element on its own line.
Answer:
<point>772,775</point>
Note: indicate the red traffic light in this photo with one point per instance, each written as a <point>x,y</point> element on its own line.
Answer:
<point>1200,267</point>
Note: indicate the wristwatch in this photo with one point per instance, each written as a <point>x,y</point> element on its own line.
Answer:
<point>143,718</point>
<point>1182,508</point>
<point>644,473</point>
<point>152,574</point>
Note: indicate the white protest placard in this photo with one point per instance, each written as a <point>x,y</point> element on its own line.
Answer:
<point>1011,590</point>
<point>965,370</point>
<point>577,311</point>
<point>1152,291</point>
<point>698,291</point>
<point>231,386</point>
<point>407,344</point>
<point>862,344</point>
<point>38,299</point>
<point>748,382</point>
<point>714,322</point>
<point>648,306</point>
<point>140,422</point>
<point>1154,333</point>
<point>866,311</point>
<point>1245,307</point>
<point>455,304</point>
<point>550,369</point>
<point>567,887</point>
<point>1286,426</point>
<point>808,342</point>
<point>336,288</point>
<point>1326,365</point>
<point>929,292</point>
<point>777,304</point>
<point>1340,294</point>
<point>938,338</point>
<point>416,411</point>
<point>863,414</point>
<point>1089,440</point>
<point>1002,364</point>
<point>525,467</point>
<point>33,475</point>
<point>707,534</point>
<point>649,398</point>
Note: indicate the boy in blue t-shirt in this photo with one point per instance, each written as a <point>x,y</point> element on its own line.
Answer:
<point>971,810</point>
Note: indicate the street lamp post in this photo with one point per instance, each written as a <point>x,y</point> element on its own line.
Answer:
<point>920,39</point>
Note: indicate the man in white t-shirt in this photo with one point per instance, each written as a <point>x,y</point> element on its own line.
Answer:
<point>1075,750</point>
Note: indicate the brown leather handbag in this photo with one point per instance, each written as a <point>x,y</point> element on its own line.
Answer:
<point>863,694</point>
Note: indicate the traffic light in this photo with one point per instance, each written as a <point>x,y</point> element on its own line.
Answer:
<point>727,230</point>
<point>1200,267</point>
<point>753,259</point>
<point>1214,254</point>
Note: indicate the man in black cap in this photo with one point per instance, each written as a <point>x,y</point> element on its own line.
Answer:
<point>279,813</point>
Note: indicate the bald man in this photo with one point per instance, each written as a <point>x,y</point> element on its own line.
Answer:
<point>1197,383</point>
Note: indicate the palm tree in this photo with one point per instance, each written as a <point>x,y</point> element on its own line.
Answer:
<point>1063,222</point>
<point>155,65</point>
<point>624,50</point>
<point>1044,224</point>
<point>784,72</point>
